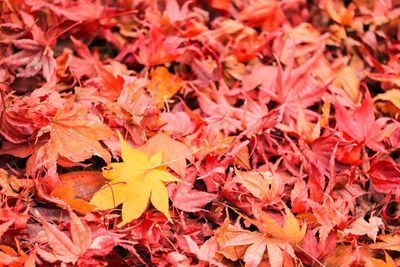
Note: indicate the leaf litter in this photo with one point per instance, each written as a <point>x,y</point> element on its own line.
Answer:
<point>198,133</point>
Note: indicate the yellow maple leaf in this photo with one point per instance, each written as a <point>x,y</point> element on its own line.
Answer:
<point>134,181</point>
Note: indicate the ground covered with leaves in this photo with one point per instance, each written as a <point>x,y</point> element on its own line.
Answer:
<point>199,133</point>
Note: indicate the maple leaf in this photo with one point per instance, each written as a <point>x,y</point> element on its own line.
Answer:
<point>279,241</point>
<point>76,11</point>
<point>11,185</point>
<point>34,57</point>
<point>362,126</point>
<point>341,14</point>
<point>330,214</point>
<point>290,231</point>
<point>177,122</point>
<point>258,244</point>
<point>75,134</point>
<point>389,242</point>
<point>158,48</point>
<point>380,263</point>
<point>385,176</point>
<point>62,247</point>
<point>66,192</point>
<point>21,118</point>
<point>164,85</point>
<point>111,86</point>
<point>185,198</point>
<point>289,86</point>
<point>237,243</point>
<point>12,258</point>
<point>77,188</point>
<point>267,14</point>
<point>103,242</point>
<point>134,181</point>
<point>362,227</point>
<point>175,153</point>
<point>316,250</point>
<point>356,255</point>
<point>391,100</point>
<point>261,185</point>
<point>300,42</point>
<point>386,77</point>
<point>348,80</point>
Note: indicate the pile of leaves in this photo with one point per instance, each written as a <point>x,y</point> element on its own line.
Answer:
<point>199,133</point>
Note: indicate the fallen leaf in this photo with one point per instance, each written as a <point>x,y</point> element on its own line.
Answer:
<point>13,187</point>
<point>64,248</point>
<point>175,153</point>
<point>389,242</point>
<point>251,247</point>
<point>290,231</point>
<point>111,86</point>
<point>178,122</point>
<point>386,77</point>
<point>346,255</point>
<point>185,197</point>
<point>262,185</point>
<point>385,176</point>
<point>392,95</point>
<point>163,85</point>
<point>84,183</point>
<point>362,227</point>
<point>104,242</point>
<point>161,48</point>
<point>349,81</point>
<point>66,192</point>
<point>9,260</point>
<point>389,262</point>
<point>362,126</point>
<point>75,134</point>
<point>133,182</point>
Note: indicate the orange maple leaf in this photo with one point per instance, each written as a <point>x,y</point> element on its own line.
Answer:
<point>291,230</point>
<point>75,134</point>
<point>164,84</point>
